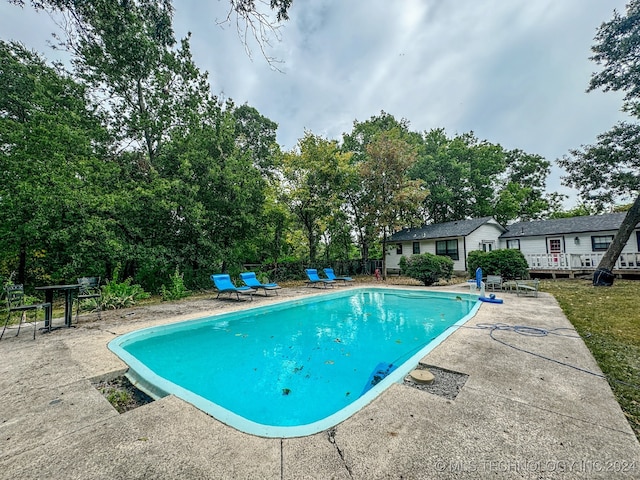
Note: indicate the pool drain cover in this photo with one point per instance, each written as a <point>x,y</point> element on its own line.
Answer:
<point>446,383</point>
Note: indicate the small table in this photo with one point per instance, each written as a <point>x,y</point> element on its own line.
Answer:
<point>68,302</point>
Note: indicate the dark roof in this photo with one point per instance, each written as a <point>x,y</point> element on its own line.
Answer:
<point>459,228</point>
<point>560,226</point>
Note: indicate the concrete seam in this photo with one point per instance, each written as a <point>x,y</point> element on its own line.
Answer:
<point>331,434</point>
<point>282,459</point>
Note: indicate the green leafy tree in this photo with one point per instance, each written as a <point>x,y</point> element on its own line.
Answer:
<point>126,52</point>
<point>583,209</point>
<point>443,174</point>
<point>271,239</point>
<point>211,195</point>
<point>314,176</point>
<point>186,184</point>
<point>392,199</point>
<point>611,167</point>
<point>50,208</point>
<point>256,134</point>
<point>356,204</point>
<point>469,178</point>
<point>462,175</point>
<point>191,192</point>
<point>522,192</point>
<point>249,17</point>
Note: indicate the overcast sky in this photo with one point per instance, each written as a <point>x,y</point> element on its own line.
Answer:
<point>512,71</point>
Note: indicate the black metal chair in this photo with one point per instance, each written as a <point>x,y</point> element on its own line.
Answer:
<point>89,290</point>
<point>15,303</point>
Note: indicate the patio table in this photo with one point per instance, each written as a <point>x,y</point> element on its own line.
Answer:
<point>68,302</point>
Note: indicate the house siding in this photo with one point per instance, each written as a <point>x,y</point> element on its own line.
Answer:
<point>535,245</point>
<point>426,246</point>
<point>473,241</point>
<point>533,238</point>
<point>489,232</point>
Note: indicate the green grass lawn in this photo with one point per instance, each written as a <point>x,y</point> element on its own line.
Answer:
<point>608,319</point>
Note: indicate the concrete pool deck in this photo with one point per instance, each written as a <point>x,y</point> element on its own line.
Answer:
<point>517,416</point>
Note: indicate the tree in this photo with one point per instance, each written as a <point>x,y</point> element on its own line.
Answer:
<point>522,193</point>
<point>443,172</point>
<point>313,182</point>
<point>470,178</point>
<point>605,172</point>
<point>581,210</point>
<point>257,135</point>
<point>357,199</point>
<point>126,53</point>
<point>611,167</point>
<point>50,207</point>
<point>392,199</point>
<point>250,18</point>
<point>208,197</point>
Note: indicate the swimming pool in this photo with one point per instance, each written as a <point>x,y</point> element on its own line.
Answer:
<point>296,367</point>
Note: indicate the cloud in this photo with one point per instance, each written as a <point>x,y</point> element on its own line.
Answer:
<point>514,72</point>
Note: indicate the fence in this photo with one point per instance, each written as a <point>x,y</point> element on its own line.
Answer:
<point>295,270</point>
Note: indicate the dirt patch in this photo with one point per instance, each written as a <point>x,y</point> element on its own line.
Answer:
<point>122,394</point>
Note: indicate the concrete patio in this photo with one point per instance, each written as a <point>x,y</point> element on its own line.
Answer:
<point>517,416</point>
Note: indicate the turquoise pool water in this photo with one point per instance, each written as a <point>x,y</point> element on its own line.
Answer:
<point>297,367</point>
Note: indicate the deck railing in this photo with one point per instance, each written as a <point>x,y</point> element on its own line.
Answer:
<point>579,261</point>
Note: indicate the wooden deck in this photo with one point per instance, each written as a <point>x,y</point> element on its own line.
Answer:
<point>631,273</point>
<point>563,265</point>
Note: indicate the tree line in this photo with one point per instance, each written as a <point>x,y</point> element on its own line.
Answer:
<point>126,164</point>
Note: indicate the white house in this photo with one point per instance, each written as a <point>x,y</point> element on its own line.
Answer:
<point>571,244</point>
<point>453,239</point>
<point>566,245</point>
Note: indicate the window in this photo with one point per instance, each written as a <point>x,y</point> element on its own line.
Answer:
<point>601,243</point>
<point>487,245</point>
<point>514,244</point>
<point>416,248</point>
<point>555,245</point>
<point>399,249</point>
<point>447,248</point>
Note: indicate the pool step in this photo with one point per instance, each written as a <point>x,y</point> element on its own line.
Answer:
<point>381,371</point>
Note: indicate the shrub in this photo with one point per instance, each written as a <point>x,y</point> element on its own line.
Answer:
<point>475,259</point>
<point>177,289</point>
<point>427,268</point>
<point>508,263</point>
<point>121,294</point>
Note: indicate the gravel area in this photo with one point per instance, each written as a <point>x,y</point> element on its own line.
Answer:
<point>446,382</point>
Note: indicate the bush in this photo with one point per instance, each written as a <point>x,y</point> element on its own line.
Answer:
<point>508,263</point>
<point>427,268</point>
<point>121,294</point>
<point>177,290</point>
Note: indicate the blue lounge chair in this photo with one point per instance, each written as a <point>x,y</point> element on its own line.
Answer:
<point>332,276</point>
<point>223,283</point>
<point>251,281</point>
<point>314,279</point>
